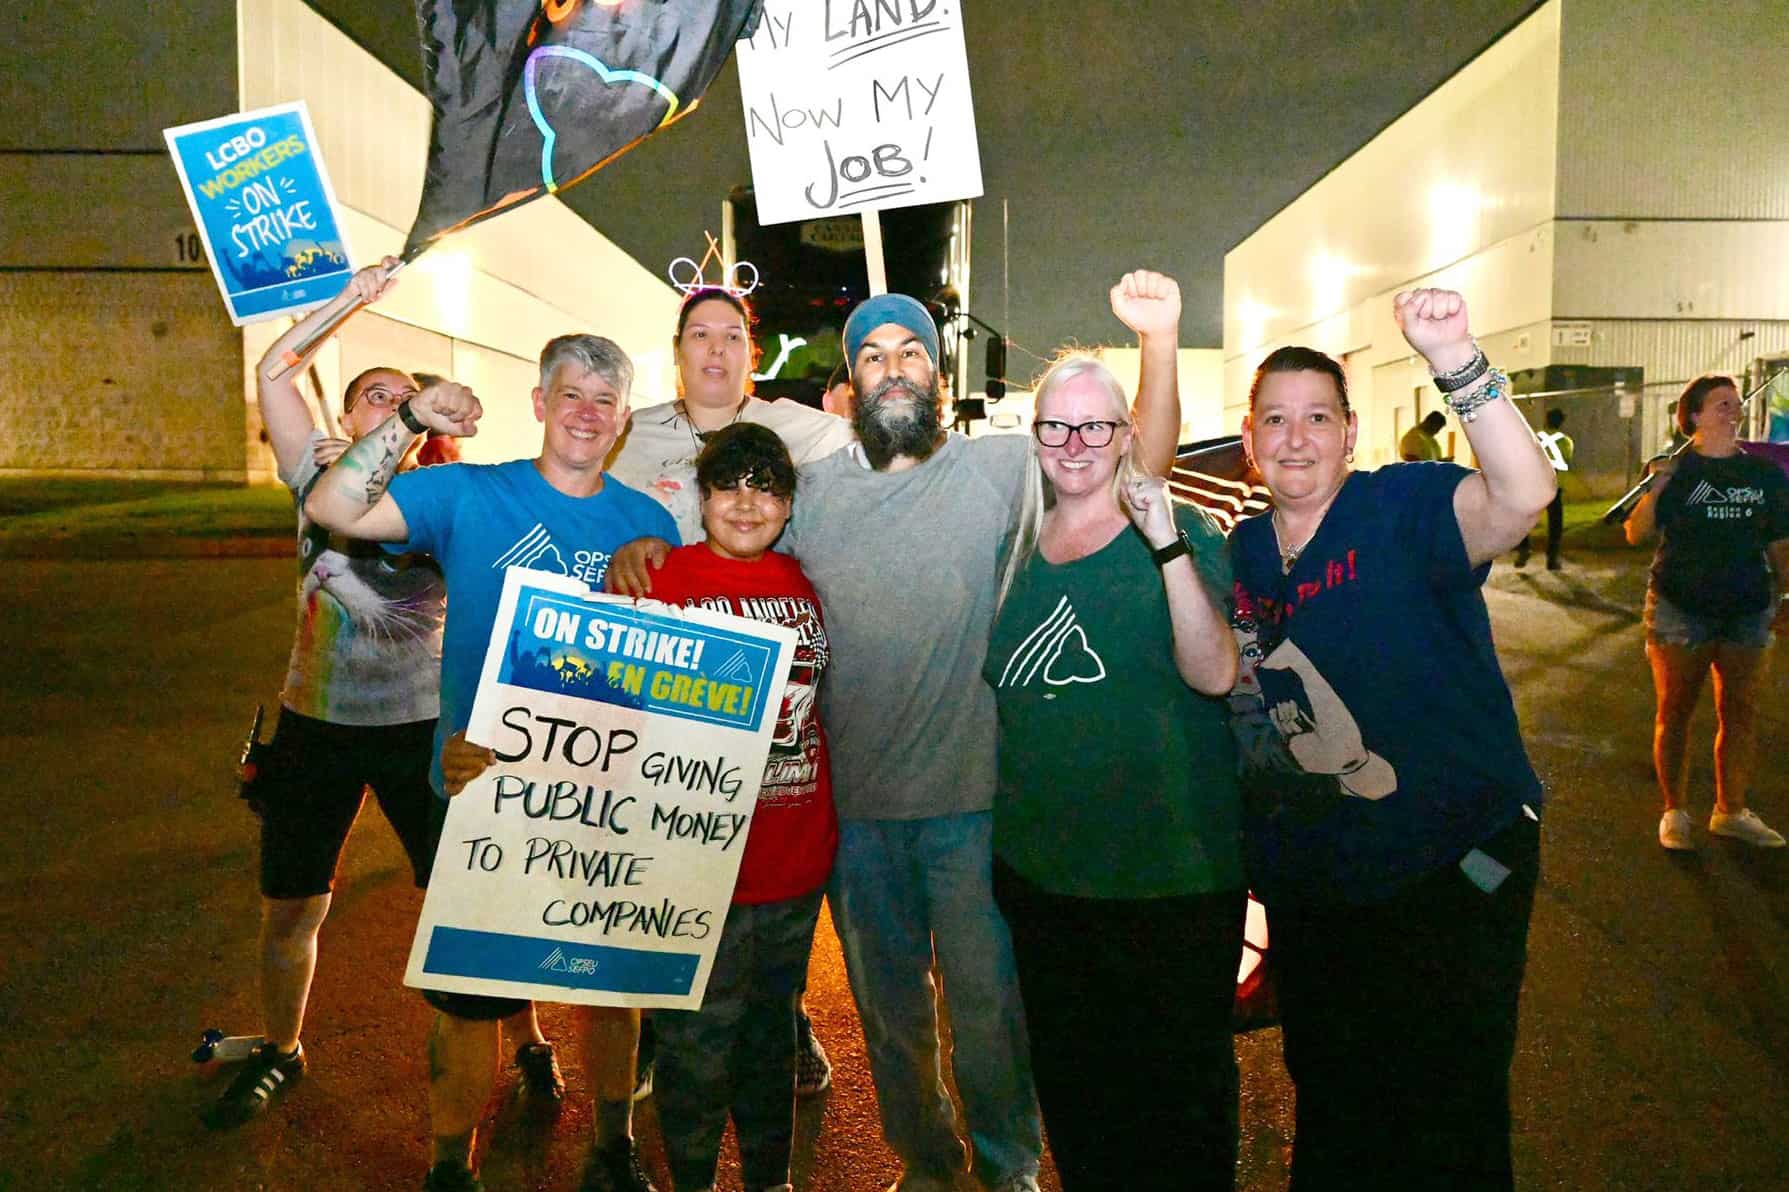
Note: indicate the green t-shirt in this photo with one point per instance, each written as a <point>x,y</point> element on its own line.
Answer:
<point>1116,779</point>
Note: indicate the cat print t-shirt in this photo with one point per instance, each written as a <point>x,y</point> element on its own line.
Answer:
<point>368,647</point>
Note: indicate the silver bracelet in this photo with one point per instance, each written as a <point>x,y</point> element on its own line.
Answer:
<point>1464,375</point>
<point>1467,405</point>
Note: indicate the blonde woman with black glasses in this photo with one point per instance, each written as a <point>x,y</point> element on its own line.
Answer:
<point>1117,812</point>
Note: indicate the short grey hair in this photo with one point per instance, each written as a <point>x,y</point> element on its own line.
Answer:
<point>592,353</point>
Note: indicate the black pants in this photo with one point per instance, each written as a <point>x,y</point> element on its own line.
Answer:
<point>1128,1002</point>
<point>1555,530</point>
<point>1399,1021</point>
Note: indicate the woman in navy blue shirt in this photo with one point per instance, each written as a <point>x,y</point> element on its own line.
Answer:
<point>1390,813</point>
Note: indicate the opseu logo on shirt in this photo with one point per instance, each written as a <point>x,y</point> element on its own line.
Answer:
<point>1722,504</point>
<point>636,659</point>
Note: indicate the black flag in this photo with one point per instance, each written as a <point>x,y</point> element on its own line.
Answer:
<point>532,96</point>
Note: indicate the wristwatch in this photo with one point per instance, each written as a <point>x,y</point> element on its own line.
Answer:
<point>1181,545</point>
<point>410,420</point>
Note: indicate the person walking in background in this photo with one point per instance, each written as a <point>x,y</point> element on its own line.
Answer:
<point>1559,448</point>
<point>1716,594</point>
<point>1419,444</point>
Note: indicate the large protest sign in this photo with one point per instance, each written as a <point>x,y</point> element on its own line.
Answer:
<point>595,862</point>
<point>858,105</point>
<point>264,207</point>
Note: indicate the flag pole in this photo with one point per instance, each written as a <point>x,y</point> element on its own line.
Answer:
<point>1618,512</point>
<point>872,252</point>
<point>298,352</point>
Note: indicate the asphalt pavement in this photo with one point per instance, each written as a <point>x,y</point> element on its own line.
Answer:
<point>1653,1053</point>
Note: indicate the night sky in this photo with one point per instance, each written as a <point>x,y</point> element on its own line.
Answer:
<point>1153,133</point>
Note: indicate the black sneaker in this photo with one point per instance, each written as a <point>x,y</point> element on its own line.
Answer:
<point>450,1175</point>
<point>541,1082</point>
<point>263,1076</point>
<point>616,1169</point>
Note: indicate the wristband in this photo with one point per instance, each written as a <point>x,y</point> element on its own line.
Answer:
<point>409,419</point>
<point>1163,555</point>
<point>1464,375</point>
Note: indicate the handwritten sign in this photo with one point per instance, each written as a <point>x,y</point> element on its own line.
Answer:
<point>595,862</point>
<point>265,210</point>
<point>858,105</point>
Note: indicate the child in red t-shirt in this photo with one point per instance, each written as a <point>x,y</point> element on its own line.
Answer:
<point>737,1053</point>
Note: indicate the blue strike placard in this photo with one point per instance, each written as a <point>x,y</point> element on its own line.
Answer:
<point>264,207</point>
<point>637,659</point>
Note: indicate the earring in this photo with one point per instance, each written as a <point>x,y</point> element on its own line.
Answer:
<point>1348,456</point>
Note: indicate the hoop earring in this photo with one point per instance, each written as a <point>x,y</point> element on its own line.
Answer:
<point>1348,456</point>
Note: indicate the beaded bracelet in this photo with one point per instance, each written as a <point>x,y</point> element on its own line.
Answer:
<point>1467,406</point>
<point>1464,375</point>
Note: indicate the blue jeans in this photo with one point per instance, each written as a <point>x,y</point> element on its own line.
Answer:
<point>902,890</point>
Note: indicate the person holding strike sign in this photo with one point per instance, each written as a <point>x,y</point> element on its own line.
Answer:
<point>476,520</point>
<point>737,1054</point>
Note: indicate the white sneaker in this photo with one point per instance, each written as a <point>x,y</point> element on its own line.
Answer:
<point>1674,830</point>
<point>1742,825</point>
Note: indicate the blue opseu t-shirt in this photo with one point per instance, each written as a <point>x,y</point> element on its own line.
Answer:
<point>479,520</point>
<point>1376,736</point>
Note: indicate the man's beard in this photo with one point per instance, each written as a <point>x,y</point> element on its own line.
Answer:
<point>887,430</point>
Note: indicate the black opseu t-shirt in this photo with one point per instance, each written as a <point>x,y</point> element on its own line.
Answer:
<point>1715,517</point>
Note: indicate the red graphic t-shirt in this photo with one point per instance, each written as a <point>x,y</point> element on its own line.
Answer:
<point>795,830</point>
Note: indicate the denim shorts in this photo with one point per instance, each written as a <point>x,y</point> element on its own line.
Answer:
<point>1673,626</point>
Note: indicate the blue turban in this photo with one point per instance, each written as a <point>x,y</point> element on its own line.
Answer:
<point>889,308</point>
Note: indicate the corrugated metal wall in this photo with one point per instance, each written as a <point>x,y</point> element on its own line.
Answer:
<point>1666,130</point>
<point>1457,192</point>
<point>1673,110</point>
<point>1469,168</point>
<point>1672,269</point>
<point>1672,351</point>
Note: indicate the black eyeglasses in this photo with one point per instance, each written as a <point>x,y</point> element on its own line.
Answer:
<point>1052,433</point>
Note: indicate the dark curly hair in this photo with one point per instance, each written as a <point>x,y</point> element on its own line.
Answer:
<point>749,452</point>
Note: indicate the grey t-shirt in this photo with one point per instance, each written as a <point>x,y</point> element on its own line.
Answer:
<point>907,565</point>
<point>368,646</point>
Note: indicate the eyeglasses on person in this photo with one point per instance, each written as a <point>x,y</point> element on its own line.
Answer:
<point>381,397</point>
<point>1052,433</point>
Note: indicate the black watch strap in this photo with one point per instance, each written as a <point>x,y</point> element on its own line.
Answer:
<point>409,419</point>
<point>1180,546</point>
